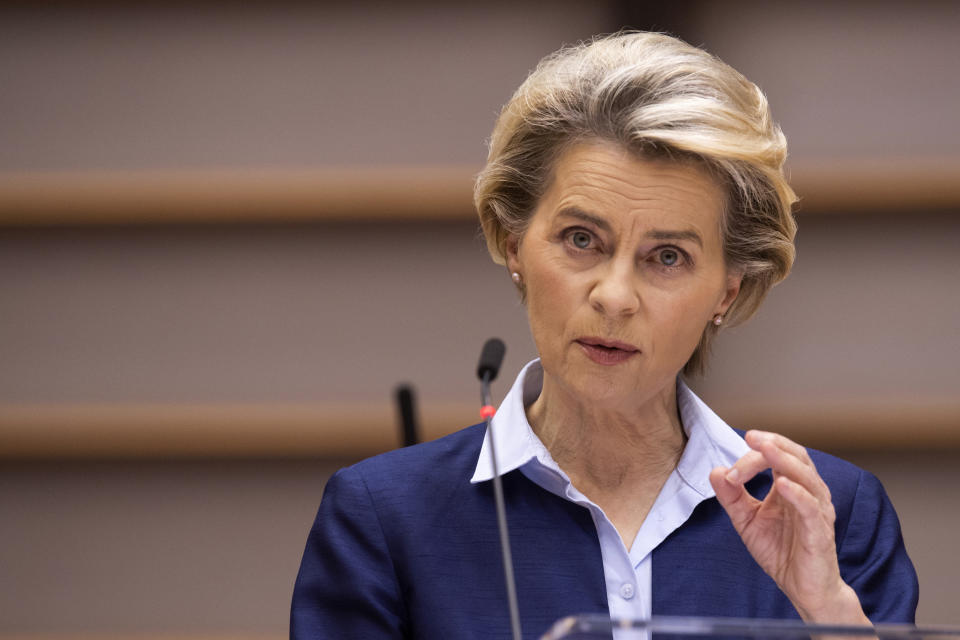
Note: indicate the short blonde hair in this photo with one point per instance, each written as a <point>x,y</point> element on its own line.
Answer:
<point>658,97</point>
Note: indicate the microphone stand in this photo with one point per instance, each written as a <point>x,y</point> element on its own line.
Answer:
<point>487,411</point>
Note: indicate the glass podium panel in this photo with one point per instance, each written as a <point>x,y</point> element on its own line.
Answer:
<point>598,627</point>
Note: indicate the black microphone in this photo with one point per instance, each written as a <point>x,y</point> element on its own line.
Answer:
<point>406,409</point>
<point>491,357</point>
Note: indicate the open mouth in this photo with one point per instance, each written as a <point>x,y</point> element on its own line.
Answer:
<point>607,352</point>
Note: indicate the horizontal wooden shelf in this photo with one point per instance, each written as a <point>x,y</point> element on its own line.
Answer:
<point>847,185</point>
<point>236,195</point>
<point>158,431</point>
<point>354,431</point>
<point>860,424</point>
<point>876,184</point>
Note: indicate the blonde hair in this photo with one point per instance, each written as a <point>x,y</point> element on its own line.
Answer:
<point>658,97</point>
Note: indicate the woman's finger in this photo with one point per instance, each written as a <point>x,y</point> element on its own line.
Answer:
<point>800,471</point>
<point>739,505</point>
<point>756,438</point>
<point>816,522</point>
<point>750,464</point>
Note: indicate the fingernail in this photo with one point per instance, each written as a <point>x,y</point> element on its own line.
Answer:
<point>733,476</point>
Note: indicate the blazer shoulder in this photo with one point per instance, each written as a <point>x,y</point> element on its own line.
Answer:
<point>441,460</point>
<point>859,498</point>
<point>837,469</point>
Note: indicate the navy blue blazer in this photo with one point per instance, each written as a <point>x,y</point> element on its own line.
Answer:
<point>404,546</point>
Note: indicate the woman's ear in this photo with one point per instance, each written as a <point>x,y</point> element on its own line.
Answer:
<point>734,280</point>
<point>512,247</point>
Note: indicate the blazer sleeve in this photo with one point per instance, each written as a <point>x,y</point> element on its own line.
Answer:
<point>347,586</point>
<point>873,559</point>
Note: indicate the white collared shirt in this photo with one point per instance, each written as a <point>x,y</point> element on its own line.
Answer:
<point>710,443</point>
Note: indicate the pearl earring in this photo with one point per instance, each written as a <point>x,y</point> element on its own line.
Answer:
<point>516,277</point>
<point>718,320</point>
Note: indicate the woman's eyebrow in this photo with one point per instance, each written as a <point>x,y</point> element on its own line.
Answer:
<point>580,214</point>
<point>686,234</point>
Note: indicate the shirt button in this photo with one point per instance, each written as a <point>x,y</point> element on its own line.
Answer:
<point>626,590</point>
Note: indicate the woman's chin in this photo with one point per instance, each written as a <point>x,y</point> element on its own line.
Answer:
<point>608,389</point>
<point>602,392</point>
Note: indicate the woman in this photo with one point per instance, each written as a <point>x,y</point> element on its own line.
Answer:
<point>634,190</point>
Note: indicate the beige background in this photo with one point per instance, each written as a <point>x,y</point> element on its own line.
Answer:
<point>129,333</point>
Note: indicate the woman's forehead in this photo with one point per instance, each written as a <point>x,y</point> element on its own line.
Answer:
<point>603,181</point>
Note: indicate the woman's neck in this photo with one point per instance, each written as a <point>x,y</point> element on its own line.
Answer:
<point>609,451</point>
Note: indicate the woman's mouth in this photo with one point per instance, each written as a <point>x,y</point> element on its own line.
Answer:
<point>607,352</point>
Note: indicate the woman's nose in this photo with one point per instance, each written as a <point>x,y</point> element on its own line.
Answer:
<point>615,292</point>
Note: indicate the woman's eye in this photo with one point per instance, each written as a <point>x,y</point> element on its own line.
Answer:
<point>670,257</point>
<point>581,239</point>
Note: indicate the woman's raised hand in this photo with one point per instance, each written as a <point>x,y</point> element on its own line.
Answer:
<point>790,533</point>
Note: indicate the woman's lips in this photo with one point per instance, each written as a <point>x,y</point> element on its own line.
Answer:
<point>607,352</point>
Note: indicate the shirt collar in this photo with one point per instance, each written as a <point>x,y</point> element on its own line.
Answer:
<point>516,443</point>
<point>710,441</point>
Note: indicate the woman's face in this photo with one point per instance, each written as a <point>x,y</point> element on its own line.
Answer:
<point>623,268</point>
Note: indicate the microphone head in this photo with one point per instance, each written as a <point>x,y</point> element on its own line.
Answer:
<point>491,357</point>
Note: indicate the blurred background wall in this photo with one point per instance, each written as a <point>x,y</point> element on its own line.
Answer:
<point>228,231</point>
